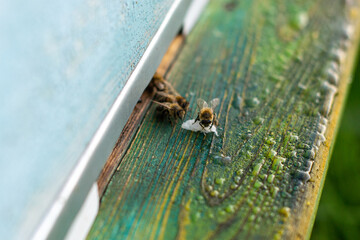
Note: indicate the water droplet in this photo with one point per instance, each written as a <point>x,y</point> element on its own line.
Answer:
<point>299,21</point>
<point>256,210</point>
<point>237,179</point>
<point>248,154</point>
<point>237,102</point>
<point>258,184</point>
<point>274,191</point>
<point>257,169</point>
<point>337,55</point>
<point>262,176</point>
<point>308,165</point>
<point>222,213</point>
<point>321,129</point>
<point>323,120</point>
<point>220,181</point>
<point>278,235</point>
<point>291,154</point>
<point>214,193</point>
<point>258,120</point>
<point>285,212</point>
<point>209,188</point>
<point>294,138</point>
<point>302,176</point>
<point>270,141</point>
<point>303,146</point>
<point>319,139</point>
<point>302,86</point>
<point>309,154</point>
<point>252,102</point>
<point>221,160</point>
<point>329,91</point>
<point>271,154</point>
<point>278,163</point>
<point>347,31</point>
<point>332,76</point>
<point>230,209</point>
<point>333,66</point>
<point>270,179</point>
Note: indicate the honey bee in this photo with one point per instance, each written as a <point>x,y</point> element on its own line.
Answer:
<point>206,115</point>
<point>170,98</point>
<point>172,111</point>
<point>159,82</point>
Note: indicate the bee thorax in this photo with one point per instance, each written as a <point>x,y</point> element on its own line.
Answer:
<point>206,114</point>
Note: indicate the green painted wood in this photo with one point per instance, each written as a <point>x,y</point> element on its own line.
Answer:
<point>276,67</point>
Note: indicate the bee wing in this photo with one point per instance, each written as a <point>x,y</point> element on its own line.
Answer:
<point>171,89</point>
<point>162,94</point>
<point>162,104</point>
<point>214,103</point>
<point>201,103</point>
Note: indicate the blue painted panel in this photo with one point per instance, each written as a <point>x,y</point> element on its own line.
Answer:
<point>62,64</point>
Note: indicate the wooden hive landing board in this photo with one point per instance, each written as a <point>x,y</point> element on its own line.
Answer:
<point>281,70</point>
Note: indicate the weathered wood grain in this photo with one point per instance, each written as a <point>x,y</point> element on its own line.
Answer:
<point>135,119</point>
<point>281,70</point>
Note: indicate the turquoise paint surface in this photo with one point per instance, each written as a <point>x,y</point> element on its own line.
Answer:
<point>62,64</point>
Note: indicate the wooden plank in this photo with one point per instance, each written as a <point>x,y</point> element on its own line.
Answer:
<point>281,70</point>
<point>136,117</point>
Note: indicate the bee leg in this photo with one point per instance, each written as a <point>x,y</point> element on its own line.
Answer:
<point>158,97</point>
<point>159,114</point>
<point>170,120</point>
<point>214,121</point>
<point>197,119</point>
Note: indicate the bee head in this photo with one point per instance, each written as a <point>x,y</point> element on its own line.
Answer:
<point>182,102</point>
<point>205,123</point>
<point>181,114</point>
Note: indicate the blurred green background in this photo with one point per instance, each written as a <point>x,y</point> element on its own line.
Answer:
<point>338,216</point>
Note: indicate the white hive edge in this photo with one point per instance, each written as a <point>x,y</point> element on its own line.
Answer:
<point>193,14</point>
<point>86,216</point>
<point>65,207</point>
